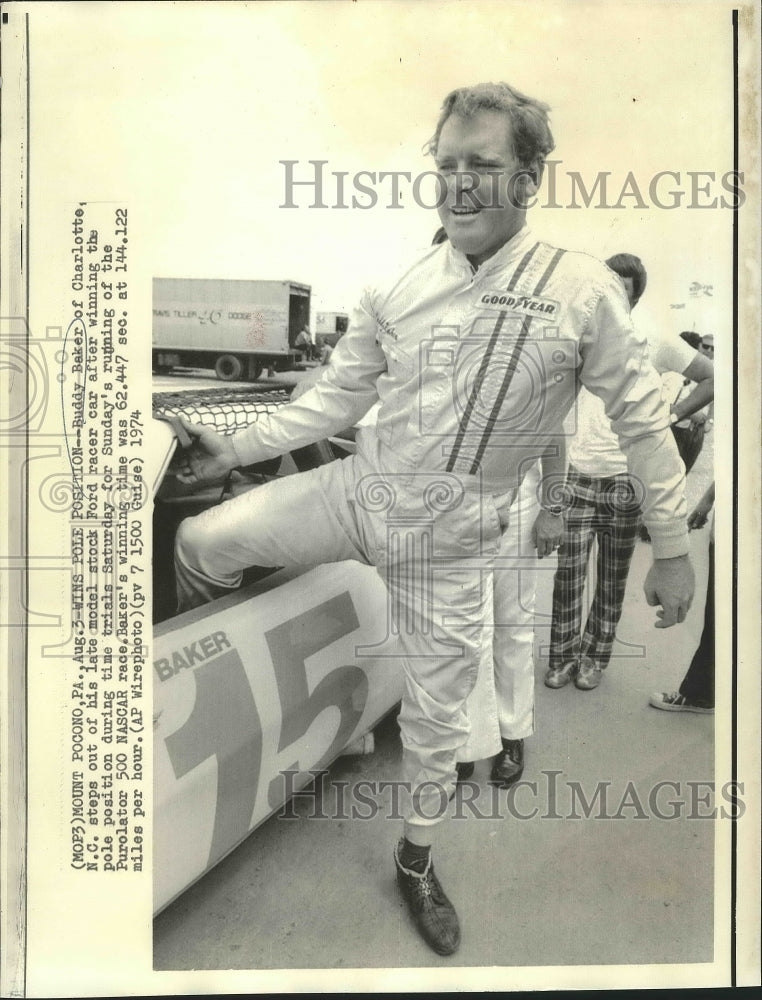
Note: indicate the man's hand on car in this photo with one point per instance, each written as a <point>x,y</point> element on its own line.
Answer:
<point>209,457</point>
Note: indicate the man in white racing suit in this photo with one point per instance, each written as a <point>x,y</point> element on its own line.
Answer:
<point>475,354</point>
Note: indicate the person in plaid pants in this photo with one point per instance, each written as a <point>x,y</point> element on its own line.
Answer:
<point>606,509</point>
<point>604,503</point>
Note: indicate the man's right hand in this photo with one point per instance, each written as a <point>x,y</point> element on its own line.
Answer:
<point>670,583</point>
<point>210,455</point>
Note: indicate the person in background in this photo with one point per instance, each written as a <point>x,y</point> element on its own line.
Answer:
<point>696,692</point>
<point>303,343</point>
<point>691,338</point>
<point>500,707</point>
<point>689,431</point>
<point>606,506</point>
<point>707,348</point>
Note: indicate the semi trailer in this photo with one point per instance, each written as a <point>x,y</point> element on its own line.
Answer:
<point>236,327</point>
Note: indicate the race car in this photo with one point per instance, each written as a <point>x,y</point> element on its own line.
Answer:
<point>258,691</point>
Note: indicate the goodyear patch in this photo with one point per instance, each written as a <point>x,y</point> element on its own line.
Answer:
<point>515,302</point>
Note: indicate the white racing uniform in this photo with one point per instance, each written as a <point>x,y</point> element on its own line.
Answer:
<point>474,372</point>
<point>501,704</point>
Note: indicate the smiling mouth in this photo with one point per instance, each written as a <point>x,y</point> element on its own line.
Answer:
<point>463,210</point>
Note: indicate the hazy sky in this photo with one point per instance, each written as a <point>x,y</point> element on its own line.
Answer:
<point>185,111</point>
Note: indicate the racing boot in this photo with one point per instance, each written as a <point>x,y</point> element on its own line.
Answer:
<point>431,910</point>
<point>508,766</point>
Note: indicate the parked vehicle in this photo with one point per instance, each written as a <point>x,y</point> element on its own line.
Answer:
<point>330,326</point>
<point>236,327</point>
<point>257,691</point>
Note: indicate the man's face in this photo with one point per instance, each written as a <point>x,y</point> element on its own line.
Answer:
<point>707,347</point>
<point>484,183</point>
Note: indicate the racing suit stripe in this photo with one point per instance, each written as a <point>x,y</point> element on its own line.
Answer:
<point>523,264</point>
<point>512,365</point>
<point>510,369</point>
<point>475,391</point>
<point>549,271</point>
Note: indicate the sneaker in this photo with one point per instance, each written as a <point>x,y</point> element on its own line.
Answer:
<point>558,677</point>
<point>675,702</point>
<point>508,766</point>
<point>432,912</point>
<point>589,675</point>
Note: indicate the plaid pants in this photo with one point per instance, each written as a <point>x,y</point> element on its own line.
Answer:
<point>606,509</point>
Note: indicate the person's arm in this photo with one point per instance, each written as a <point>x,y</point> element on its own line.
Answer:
<point>548,528</point>
<point>700,513</point>
<point>615,366</point>
<point>700,371</point>
<point>343,394</point>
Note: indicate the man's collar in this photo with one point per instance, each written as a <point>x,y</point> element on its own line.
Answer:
<point>514,247</point>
